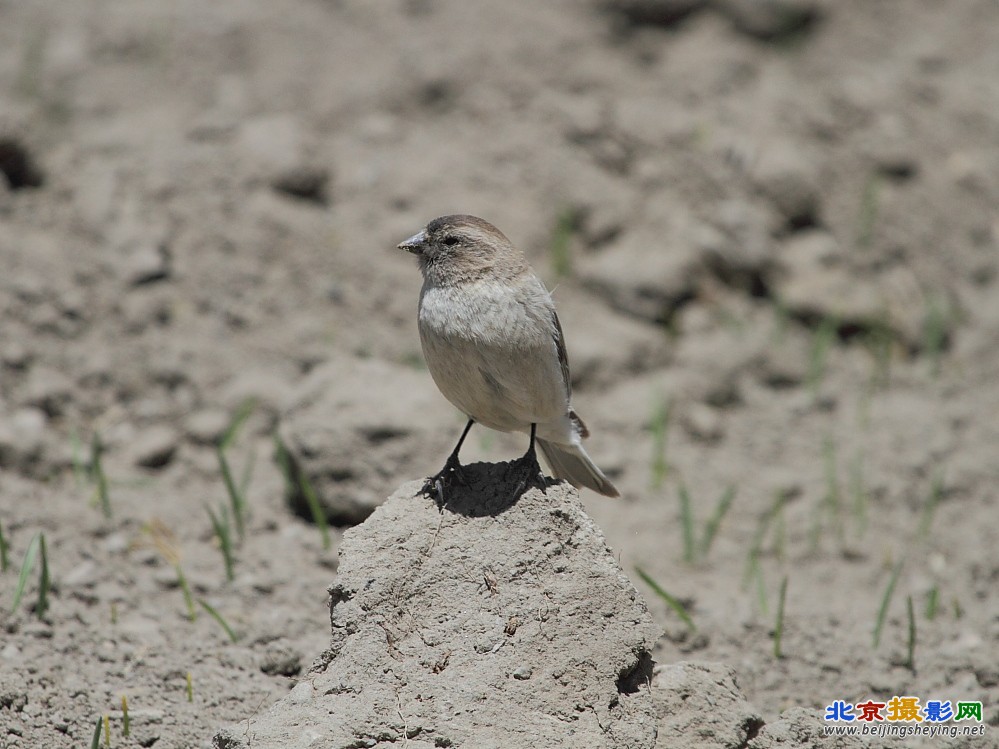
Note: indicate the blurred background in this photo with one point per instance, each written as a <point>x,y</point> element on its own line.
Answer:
<point>771,228</point>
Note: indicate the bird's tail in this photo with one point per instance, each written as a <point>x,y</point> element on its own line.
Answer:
<point>570,462</point>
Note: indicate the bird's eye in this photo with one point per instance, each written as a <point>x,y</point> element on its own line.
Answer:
<point>450,240</point>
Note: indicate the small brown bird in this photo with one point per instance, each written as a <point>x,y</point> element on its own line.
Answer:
<point>495,348</point>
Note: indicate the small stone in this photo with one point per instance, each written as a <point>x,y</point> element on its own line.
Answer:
<point>15,355</point>
<point>661,13</point>
<point>21,438</point>
<point>48,389</point>
<point>790,179</point>
<point>207,426</point>
<point>154,447</point>
<point>770,20</point>
<point>309,183</point>
<point>279,660</point>
<point>147,262</point>
<point>523,673</point>
<point>83,575</point>
<point>703,422</point>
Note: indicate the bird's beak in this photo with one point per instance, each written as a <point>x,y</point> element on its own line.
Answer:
<point>416,243</point>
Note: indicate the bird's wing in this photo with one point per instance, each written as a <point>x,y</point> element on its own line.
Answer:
<point>563,359</point>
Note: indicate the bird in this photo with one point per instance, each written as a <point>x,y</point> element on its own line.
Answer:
<point>494,346</point>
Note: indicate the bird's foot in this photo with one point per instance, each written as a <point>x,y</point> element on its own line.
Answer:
<point>526,471</point>
<point>444,479</point>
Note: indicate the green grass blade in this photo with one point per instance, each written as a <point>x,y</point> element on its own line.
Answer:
<point>868,214</point>
<point>26,566</point>
<point>911,659</point>
<point>930,508</point>
<point>218,617</point>
<point>297,479</point>
<point>80,472</point>
<point>660,434</point>
<point>671,601</point>
<point>779,626</point>
<point>126,724</point>
<point>244,412</point>
<point>715,521</point>
<point>95,742</point>
<point>822,341</point>
<point>885,602</point>
<point>220,524</point>
<point>687,525</point>
<point>4,552</point>
<point>762,528</point>
<point>560,247</point>
<point>189,687</point>
<point>932,603</point>
<point>100,478</point>
<point>244,480</point>
<point>236,499</point>
<point>44,581</point>
<point>192,612</point>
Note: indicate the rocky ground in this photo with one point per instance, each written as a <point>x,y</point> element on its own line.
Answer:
<point>772,232</point>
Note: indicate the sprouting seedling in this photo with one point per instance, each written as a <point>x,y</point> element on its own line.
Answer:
<point>858,494</point>
<point>930,508</point>
<point>107,732</point>
<point>782,319</point>
<point>756,547</point>
<point>561,242</point>
<point>678,608</point>
<point>221,526</point>
<point>99,477</point>
<point>779,626</point>
<point>935,324</point>
<point>114,612</point>
<point>687,525</point>
<point>822,341</point>
<point>868,214</point>
<point>218,617</point>
<point>660,433</point>
<point>236,499</point>
<point>4,551</point>
<point>296,480</point>
<point>755,572</point>
<point>879,341</point>
<point>239,418</point>
<point>36,548</point>
<point>910,661</point>
<point>885,603</point>
<point>715,521</point>
<point>126,726</point>
<point>163,540</point>
<point>80,467</point>
<point>833,497</point>
<point>932,603</point>
<point>189,687</point>
<point>95,742</point>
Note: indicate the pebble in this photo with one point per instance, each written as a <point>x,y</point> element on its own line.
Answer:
<point>790,179</point>
<point>154,447</point>
<point>206,426</point>
<point>147,262</point>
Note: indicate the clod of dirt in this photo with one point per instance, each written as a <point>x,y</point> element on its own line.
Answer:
<point>661,13</point>
<point>775,21</point>
<point>18,165</point>
<point>497,622</point>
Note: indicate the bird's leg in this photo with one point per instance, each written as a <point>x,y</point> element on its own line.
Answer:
<point>527,465</point>
<point>452,467</point>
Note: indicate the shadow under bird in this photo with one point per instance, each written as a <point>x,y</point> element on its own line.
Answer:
<point>494,346</point>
